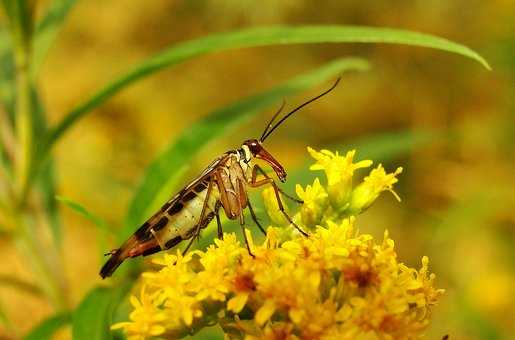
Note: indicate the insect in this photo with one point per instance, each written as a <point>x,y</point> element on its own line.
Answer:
<point>222,185</point>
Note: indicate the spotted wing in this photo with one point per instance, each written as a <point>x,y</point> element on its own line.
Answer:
<point>159,219</point>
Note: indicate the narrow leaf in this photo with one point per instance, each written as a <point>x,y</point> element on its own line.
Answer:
<point>48,28</point>
<point>47,328</point>
<point>46,184</point>
<point>6,72</point>
<point>81,210</point>
<point>93,317</point>
<point>166,169</point>
<point>45,179</point>
<point>259,37</point>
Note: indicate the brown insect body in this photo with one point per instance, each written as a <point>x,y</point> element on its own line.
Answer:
<point>223,184</point>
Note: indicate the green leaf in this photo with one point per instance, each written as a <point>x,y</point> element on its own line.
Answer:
<point>46,184</point>
<point>46,177</point>
<point>6,72</point>
<point>93,317</point>
<point>164,172</point>
<point>259,37</point>
<point>81,210</point>
<point>48,327</point>
<point>47,29</point>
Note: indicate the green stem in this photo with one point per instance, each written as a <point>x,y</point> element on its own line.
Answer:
<point>20,14</point>
<point>23,122</point>
<point>47,271</point>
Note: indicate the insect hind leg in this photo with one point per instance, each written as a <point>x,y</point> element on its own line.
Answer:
<point>218,222</point>
<point>196,233</point>
<point>254,218</point>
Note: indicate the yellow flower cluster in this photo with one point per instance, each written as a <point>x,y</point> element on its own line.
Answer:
<point>339,199</point>
<point>334,284</point>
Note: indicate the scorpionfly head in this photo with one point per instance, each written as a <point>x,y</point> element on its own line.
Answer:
<point>257,150</point>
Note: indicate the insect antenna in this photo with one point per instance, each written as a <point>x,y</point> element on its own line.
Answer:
<point>272,120</point>
<point>269,130</point>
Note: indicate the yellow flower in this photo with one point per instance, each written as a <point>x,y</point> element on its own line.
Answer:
<point>376,182</point>
<point>315,203</point>
<point>146,318</point>
<point>339,171</point>
<point>334,284</point>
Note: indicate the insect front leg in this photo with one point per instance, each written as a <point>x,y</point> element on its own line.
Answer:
<point>268,180</point>
<point>257,169</point>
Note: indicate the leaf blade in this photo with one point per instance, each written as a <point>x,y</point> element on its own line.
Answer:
<point>47,29</point>
<point>81,210</point>
<point>172,163</point>
<point>254,37</point>
<point>48,327</point>
<point>93,317</point>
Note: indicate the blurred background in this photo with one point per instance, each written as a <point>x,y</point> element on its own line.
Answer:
<point>449,122</point>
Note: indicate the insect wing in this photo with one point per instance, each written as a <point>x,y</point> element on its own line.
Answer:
<point>159,219</point>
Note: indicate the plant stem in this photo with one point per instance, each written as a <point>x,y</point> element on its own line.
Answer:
<point>21,15</point>
<point>21,23</point>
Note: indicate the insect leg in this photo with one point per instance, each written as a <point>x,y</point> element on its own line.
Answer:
<point>202,215</point>
<point>257,169</point>
<point>219,224</point>
<point>242,218</point>
<point>269,180</point>
<point>224,197</point>
<point>255,219</point>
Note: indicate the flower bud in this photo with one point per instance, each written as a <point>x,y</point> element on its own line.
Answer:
<point>315,203</point>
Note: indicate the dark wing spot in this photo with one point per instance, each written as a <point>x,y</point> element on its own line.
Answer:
<point>201,186</point>
<point>151,251</point>
<point>174,209</point>
<point>189,196</point>
<point>165,206</point>
<point>174,241</point>
<point>142,232</point>
<point>161,223</point>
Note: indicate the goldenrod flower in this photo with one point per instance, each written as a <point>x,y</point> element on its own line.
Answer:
<point>146,318</point>
<point>339,171</point>
<point>375,183</point>
<point>334,284</point>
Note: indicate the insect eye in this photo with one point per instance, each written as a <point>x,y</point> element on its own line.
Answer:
<point>253,146</point>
